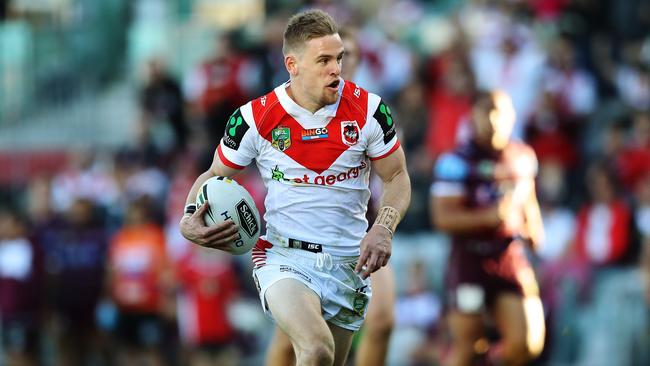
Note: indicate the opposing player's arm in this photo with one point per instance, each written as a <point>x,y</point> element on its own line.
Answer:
<point>533,219</point>
<point>447,204</point>
<point>450,215</point>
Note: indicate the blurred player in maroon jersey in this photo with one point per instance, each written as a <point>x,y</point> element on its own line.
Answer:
<point>484,197</point>
<point>373,347</point>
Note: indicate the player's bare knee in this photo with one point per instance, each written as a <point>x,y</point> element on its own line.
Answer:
<point>317,353</point>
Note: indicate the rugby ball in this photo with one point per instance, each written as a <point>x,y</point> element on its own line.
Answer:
<point>229,200</point>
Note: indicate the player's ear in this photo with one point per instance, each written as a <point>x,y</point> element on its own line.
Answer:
<point>291,63</point>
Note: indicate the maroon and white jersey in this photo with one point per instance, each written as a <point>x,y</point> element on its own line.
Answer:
<point>316,167</point>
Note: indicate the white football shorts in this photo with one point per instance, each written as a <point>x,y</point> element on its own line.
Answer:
<point>344,294</point>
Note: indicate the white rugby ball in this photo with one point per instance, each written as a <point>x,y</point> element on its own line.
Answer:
<point>229,200</point>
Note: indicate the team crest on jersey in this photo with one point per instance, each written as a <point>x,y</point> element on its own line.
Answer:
<point>281,138</point>
<point>350,132</point>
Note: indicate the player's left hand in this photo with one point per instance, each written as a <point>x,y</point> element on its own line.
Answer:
<point>376,249</point>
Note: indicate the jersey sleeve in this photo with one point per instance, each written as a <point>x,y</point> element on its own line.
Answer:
<point>381,129</point>
<point>238,147</point>
<point>450,174</point>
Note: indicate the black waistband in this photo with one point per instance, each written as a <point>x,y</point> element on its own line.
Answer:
<point>305,245</point>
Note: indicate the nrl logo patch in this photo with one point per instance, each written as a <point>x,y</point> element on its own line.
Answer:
<point>281,138</point>
<point>350,132</point>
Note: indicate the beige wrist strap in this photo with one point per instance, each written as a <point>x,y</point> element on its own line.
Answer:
<point>388,218</point>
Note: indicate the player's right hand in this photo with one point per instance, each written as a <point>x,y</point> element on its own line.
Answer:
<point>375,250</point>
<point>218,236</point>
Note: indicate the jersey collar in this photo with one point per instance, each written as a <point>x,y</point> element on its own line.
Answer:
<point>297,111</point>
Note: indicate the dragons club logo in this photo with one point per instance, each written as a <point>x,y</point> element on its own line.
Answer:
<point>349,132</point>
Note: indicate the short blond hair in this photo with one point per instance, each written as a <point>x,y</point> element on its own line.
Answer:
<point>307,25</point>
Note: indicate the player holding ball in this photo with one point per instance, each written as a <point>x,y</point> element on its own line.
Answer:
<point>314,140</point>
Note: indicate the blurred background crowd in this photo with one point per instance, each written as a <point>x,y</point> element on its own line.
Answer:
<point>110,109</point>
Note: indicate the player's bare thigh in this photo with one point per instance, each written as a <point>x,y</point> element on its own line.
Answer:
<point>297,311</point>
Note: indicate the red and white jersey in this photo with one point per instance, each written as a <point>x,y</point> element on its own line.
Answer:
<point>315,167</point>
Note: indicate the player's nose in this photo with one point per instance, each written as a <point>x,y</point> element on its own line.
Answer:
<point>336,70</point>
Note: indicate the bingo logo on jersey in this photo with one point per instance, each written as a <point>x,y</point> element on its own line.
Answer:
<point>314,134</point>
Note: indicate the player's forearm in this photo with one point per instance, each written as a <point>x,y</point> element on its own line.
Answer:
<point>396,195</point>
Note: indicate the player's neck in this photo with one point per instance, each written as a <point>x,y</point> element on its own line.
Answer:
<point>302,100</point>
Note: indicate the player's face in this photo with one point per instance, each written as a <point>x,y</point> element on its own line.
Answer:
<point>351,59</point>
<point>317,73</point>
<point>493,119</point>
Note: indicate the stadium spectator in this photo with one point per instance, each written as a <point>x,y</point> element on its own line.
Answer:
<point>216,88</point>
<point>450,87</point>
<point>162,107</point>
<point>74,247</point>
<point>139,281</point>
<point>85,177</point>
<point>21,270</point>
<point>603,223</point>
<point>505,55</point>
<point>569,95</point>
<point>208,285</point>
<point>633,159</point>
